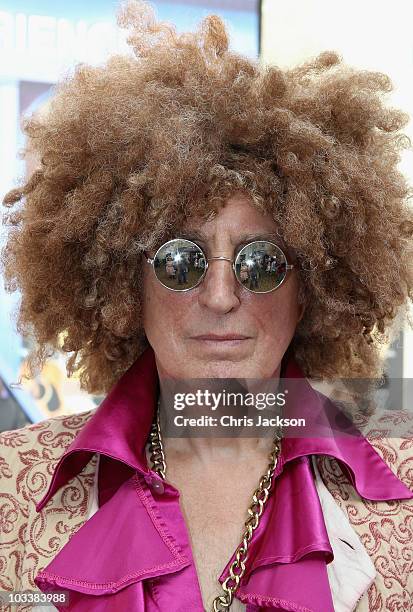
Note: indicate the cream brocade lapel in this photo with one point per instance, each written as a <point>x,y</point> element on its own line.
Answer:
<point>29,540</point>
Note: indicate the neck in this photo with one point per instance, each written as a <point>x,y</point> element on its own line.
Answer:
<point>217,444</point>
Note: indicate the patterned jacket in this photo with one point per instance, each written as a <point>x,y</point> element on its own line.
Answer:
<point>30,539</point>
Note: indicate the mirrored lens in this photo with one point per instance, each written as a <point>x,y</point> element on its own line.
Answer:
<point>179,264</point>
<point>261,266</point>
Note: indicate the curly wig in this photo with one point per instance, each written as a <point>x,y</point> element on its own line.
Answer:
<point>131,149</point>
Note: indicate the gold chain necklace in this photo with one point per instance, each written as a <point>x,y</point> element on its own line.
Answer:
<point>255,510</point>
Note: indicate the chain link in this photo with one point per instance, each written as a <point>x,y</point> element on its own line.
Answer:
<point>157,455</point>
<point>255,510</point>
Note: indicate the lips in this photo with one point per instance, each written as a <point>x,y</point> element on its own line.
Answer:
<point>221,337</point>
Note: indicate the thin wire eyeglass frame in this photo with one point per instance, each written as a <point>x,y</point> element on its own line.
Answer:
<point>151,261</point>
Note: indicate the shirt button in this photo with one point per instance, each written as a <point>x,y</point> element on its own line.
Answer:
<point>155,483</point>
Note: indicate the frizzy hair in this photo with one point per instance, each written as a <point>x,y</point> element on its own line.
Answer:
<point>130,149</point>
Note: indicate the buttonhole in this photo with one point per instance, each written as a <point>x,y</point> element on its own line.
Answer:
<point>347,543</point>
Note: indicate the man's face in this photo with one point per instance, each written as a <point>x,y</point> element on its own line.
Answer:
<point>220,305</point>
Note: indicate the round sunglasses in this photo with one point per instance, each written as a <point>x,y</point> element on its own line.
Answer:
<point>180,265</point>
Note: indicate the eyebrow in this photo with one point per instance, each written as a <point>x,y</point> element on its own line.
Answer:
<point>243,239</point>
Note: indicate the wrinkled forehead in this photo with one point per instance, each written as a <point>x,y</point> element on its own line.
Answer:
<point>235,238</point>
<point>234,215</point>
<point>237,221</point>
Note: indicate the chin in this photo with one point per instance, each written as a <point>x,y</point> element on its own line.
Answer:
<point>225,370</point>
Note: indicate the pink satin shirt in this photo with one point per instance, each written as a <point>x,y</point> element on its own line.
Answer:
<point>134,553</point>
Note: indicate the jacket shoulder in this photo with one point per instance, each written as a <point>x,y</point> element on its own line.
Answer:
<point>384,527</point>
<point>36,449</point>
<point>28,457</point>
<point>70,424</point>
<point>45,441</point>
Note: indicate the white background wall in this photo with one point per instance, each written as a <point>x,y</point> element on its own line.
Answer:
<point>368,34</point>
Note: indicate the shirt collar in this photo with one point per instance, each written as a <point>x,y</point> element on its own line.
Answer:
<point>120,427</point>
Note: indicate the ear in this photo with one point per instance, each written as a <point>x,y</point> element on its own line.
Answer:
<point>301,311</point>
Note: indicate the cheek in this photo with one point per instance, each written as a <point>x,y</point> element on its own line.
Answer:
<point>163,313</point>
<point>279,315</point>
<point>146,293</point>
<point>151,306</point>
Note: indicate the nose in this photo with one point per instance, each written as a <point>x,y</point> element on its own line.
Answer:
<point>219,289</point>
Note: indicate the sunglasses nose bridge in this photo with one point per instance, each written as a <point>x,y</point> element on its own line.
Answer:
<point>220,257</point>
<point>232,262</point>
